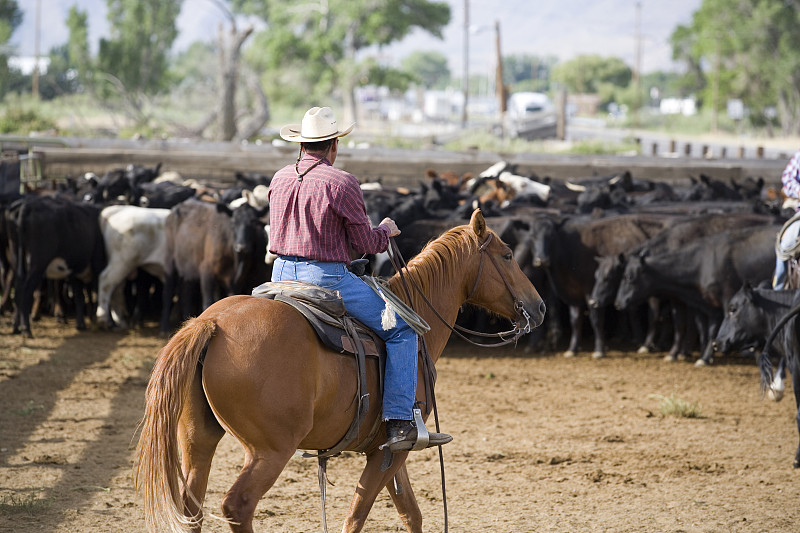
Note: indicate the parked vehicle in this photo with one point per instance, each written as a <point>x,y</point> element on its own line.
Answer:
<point>531,116</point>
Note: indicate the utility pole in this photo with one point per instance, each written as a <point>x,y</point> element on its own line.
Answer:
<point>465,80</point>
<point>501,89</point>
<point>637,74</point>
<point>37,24</point>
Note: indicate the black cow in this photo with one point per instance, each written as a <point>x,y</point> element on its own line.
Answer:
<point>750,316</point>
<point>567,249</point>
<point>57,238</point>
<point>119,185</point>
<point>610,268</point>
<point>161,195</point>
<point>704,274</point>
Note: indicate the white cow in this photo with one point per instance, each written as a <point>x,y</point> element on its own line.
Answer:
<point>134,238</point>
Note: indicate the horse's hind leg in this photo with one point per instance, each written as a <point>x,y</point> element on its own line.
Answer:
<point>198,436</point>
<point>404,501</point>
<point>261,469</point>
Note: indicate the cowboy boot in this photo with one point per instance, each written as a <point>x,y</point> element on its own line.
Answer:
<point>402,436</point>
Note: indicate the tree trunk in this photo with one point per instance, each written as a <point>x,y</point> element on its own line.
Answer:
<point>229,56</point>
<point>261,116</point>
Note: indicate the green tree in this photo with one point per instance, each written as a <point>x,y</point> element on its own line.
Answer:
<point>311,47</point>
<point>746,49</point>
<point>428,68</point>
<point>592,73</point>
<point>77,49</point>
<point>136,54</point>
<point>10,18</point>
<point>525,72</point>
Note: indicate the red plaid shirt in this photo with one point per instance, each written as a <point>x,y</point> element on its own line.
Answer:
<point>322,216</point>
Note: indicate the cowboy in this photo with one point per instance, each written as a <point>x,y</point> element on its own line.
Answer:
<point>317,214</point>
<point>786,245</point>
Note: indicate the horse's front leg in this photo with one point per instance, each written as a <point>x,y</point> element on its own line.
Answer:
<point>369,485</point>
<point>404,500</point>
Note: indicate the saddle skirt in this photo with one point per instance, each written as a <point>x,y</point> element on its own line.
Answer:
<point>325,312</point>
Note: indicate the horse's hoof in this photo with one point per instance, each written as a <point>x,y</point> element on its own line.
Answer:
<point>569,353</point>
<point>775,395</point>
<point>670,358</point>
<point>796,464</point>
<point>598,355</point>
<point>643,349</point>
<point>701,362</point>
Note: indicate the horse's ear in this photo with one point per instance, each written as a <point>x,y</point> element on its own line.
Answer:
<point>747,288</point>
<point>478,223</point>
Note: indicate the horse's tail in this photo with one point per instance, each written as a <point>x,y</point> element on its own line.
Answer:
<point>157,473</point>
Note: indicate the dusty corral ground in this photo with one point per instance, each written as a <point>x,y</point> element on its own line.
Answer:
<point>542,443</point>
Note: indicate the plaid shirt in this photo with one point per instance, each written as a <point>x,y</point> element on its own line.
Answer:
<point>791,177</point>
<point>321,216</point>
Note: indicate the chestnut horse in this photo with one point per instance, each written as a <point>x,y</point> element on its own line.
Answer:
<point>269,382</point>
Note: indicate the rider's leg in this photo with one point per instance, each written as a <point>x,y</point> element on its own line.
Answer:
<point>400,378</point>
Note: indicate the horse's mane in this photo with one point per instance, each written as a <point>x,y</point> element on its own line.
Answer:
<point>429,268</point>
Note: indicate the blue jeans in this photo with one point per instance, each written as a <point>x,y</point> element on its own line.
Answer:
<point>400,379</point>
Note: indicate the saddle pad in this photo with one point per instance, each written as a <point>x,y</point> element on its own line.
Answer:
<point>327,300</point>
<point>316,303</point>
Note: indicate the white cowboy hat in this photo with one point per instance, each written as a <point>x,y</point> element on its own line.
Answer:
<point>319,124</point>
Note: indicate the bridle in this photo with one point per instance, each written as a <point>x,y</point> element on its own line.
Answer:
<point>507,337</point>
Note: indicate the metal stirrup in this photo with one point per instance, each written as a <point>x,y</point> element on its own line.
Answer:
<point>423,437</point>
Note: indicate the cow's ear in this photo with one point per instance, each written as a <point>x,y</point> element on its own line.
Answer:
<point>621,258</point>
<point>222,207</point>
<point>478,224</point>
<point>747,288</point>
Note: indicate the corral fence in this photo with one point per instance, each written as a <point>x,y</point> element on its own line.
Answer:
<point>217,162</point>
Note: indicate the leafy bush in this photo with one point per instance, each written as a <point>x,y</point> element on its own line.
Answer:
<point>24,121</point>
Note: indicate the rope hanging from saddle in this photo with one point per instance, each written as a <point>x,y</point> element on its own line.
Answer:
<point>793,250</point>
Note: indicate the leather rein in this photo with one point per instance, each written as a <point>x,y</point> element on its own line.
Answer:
<point>507,337</point>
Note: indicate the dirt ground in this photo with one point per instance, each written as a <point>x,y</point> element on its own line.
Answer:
<point>541,443</point>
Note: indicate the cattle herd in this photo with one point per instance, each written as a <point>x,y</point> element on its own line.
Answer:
<point>654,266</point>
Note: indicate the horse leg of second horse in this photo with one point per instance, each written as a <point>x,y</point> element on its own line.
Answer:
<point>403,497</point>
<point>198,436</point>
<point>260,471</point>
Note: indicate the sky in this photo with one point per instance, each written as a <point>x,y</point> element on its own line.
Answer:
<point>562,28</point>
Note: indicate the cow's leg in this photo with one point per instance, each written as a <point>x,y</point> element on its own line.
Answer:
<point>110,279</point>
<point>207,289</point>
<point>576,322</point>
<point>166,302</point>
<point>369,485</point>
<point>597,318</point>
<point>679,348</point>
<point>8,282</point>
<point>708,345</point>
<point>653,315</point>
<point>404,501</point>
<point>79,290</point>
<point>24,295</point>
